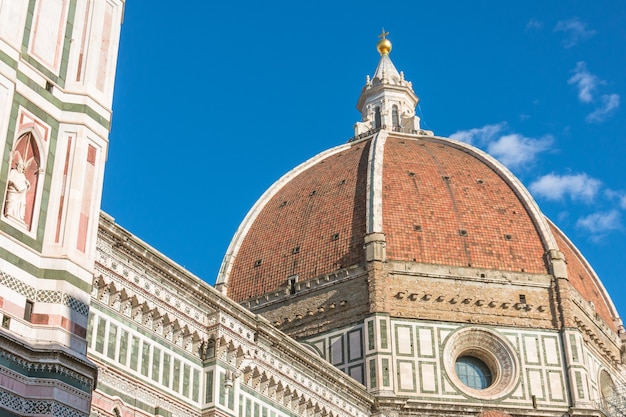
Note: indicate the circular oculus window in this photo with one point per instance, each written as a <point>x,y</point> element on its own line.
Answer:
<point>480,363</point>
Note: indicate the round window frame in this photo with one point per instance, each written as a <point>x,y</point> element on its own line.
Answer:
<point>492,349</point>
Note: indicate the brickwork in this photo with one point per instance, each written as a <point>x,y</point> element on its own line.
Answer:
<point>444,206</point>
<point>314,225</point>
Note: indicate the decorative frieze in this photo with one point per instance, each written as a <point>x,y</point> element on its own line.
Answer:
<point>31,407</point>
<point>44,296</point>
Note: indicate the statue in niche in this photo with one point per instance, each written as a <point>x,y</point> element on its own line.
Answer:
<point>17,187</point>
<point>22,181</point>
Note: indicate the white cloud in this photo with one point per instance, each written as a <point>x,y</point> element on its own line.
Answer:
<point>602,222</point>
<point>512,149</point>
<point>610,103</point>
<point>534,24</point>
<point>575,31</point>
<point>515,150</point>
<point>555,187</point>
<point>479,135</point>
<point>585,82</point>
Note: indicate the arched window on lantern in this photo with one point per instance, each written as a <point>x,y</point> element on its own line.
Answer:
<point>395,119</point>
<point>377,122</point>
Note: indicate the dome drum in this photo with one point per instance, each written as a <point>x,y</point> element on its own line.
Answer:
<point>469,299</point>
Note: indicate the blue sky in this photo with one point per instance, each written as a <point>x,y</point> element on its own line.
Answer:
<point>215,101</point>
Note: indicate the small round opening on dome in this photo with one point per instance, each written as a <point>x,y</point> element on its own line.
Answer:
<point>473,372</point>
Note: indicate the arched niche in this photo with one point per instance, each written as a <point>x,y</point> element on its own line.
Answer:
<point>23,180</point>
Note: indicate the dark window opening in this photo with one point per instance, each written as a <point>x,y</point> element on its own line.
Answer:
<point>292,284</point>
<point>377,121</point>
<point>522,299</point>
<point>395,119</point>
<point>210,349</point>
<point>257,263</point>
<point>28,310</point>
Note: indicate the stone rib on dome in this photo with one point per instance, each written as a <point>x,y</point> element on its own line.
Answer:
<point>584,280</point>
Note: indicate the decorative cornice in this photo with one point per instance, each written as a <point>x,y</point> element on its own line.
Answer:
<point>40,362</point>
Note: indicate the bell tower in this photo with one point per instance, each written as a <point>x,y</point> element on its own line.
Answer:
<point>57,70</point>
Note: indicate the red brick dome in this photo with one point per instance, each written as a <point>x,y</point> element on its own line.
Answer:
<point>440,205</point>
<point>436,201</point>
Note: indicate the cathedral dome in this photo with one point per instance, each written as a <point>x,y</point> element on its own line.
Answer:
<point>409,199</point>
